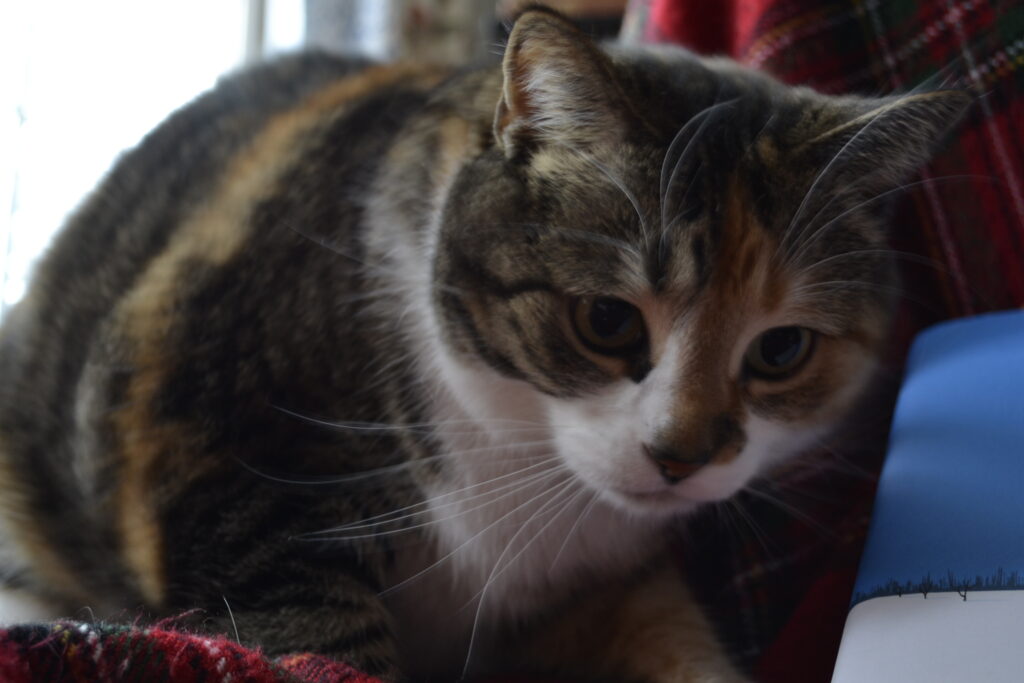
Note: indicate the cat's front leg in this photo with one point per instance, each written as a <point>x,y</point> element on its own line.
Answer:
<point>344,621</point>
<point>241,566</point>
<point>648,630</point>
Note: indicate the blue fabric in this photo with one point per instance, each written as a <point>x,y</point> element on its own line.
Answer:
<point>950,506</point>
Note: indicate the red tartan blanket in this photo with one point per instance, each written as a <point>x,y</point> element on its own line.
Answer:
<point>73,652</point>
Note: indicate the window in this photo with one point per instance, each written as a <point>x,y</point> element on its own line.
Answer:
<point>82,81</point>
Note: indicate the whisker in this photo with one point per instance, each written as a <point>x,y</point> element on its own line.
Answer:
<point>666,231</point>
<point>802,247</point>
<point>481,596</point>
<point>427,427</point>
<point>849,466</point>
<point>814,185</point>
<point>331,480</point>
<point>326,243</point>
<point>390,469</point>
<point>757,136</point>
<point>500,566</point>
<point>902,255</point>
<point>579,520</point>
<point>405,582</point>
<point>792,510</point>
<point>617,183</point>
<point>699,119</point>
<point>819,289</point>
<point>427,506</point>
<point>373,294</point>
<point>725,513</point>
<point>234,625</point>
<point>496,572</point>
<point>758,533</point>
<point>386,517</point>
<point>321,537</point>
<point>828,286</point>
<point>668,227</point>
<point>388,272</point>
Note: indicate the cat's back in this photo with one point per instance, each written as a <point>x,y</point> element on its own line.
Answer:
<point>184,296</point>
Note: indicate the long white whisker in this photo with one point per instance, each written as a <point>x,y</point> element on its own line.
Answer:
<point>481,596</point>
<point>488,494</point>
<point>804,246</point>
<point>705,118</point>
<point>398,467</point>
<point>405,582</point>
<point>517,487</point>
<point>372,294</point>
<point>322,537</point>
<point>620,185</point>
<point>387,517</point>
<point>786,507</point>
<point>814,185</point>
<point>413,426</point>
<point>839,285</point>
<point>758,532</point>
<point>234,625</point>
<point>579,520</point>
<point>916,258</point>
<point>676,140</point>
<point>666,231</point>
<point>496,571</point>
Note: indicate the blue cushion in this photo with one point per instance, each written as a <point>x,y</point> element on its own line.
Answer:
<point>950,502</point>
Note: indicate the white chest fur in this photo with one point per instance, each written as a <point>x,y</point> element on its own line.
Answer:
<point>513,532</point>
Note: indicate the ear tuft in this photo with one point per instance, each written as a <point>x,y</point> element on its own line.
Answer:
<point>557,85</point>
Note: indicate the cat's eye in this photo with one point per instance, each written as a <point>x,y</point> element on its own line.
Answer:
<point>607,325</point>
<point>779,352</point>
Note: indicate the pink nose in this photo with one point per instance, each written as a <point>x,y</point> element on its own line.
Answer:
<point>672,465</point>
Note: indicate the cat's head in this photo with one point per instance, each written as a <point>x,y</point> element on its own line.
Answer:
<point>681,262</point>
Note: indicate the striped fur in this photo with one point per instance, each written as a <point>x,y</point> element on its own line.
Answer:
<point>306,352</point>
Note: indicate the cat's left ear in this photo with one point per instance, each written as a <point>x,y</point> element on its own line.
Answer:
<point>882,142</point>
<point>558,86</point>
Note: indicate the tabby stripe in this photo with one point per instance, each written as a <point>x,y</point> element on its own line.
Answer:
<point>497,360</point>
<point>487,280</point>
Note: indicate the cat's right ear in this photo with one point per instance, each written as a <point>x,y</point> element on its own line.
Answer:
<point>558,86</point>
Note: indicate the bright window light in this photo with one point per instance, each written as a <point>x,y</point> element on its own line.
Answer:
<point>80,82</point>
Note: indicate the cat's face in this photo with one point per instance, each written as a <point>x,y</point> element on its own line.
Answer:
<point>687,266</point>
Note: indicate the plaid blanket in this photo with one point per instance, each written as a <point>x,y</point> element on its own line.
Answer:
<point>780,582</point>
<point>777,575</point>
<point>72,652</point>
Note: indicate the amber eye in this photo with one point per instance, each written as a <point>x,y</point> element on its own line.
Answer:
<point>608,326</point>
<point>779,352</point>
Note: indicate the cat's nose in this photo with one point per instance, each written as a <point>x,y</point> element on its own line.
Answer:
<point>673,465</point>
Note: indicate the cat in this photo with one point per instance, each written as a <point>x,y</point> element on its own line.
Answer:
<point>415,367</point>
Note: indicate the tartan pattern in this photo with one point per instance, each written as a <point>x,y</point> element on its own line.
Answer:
<point>781,591</point>
<point>72,652</point>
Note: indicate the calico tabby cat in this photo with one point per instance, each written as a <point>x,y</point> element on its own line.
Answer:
<point>414,368</point>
